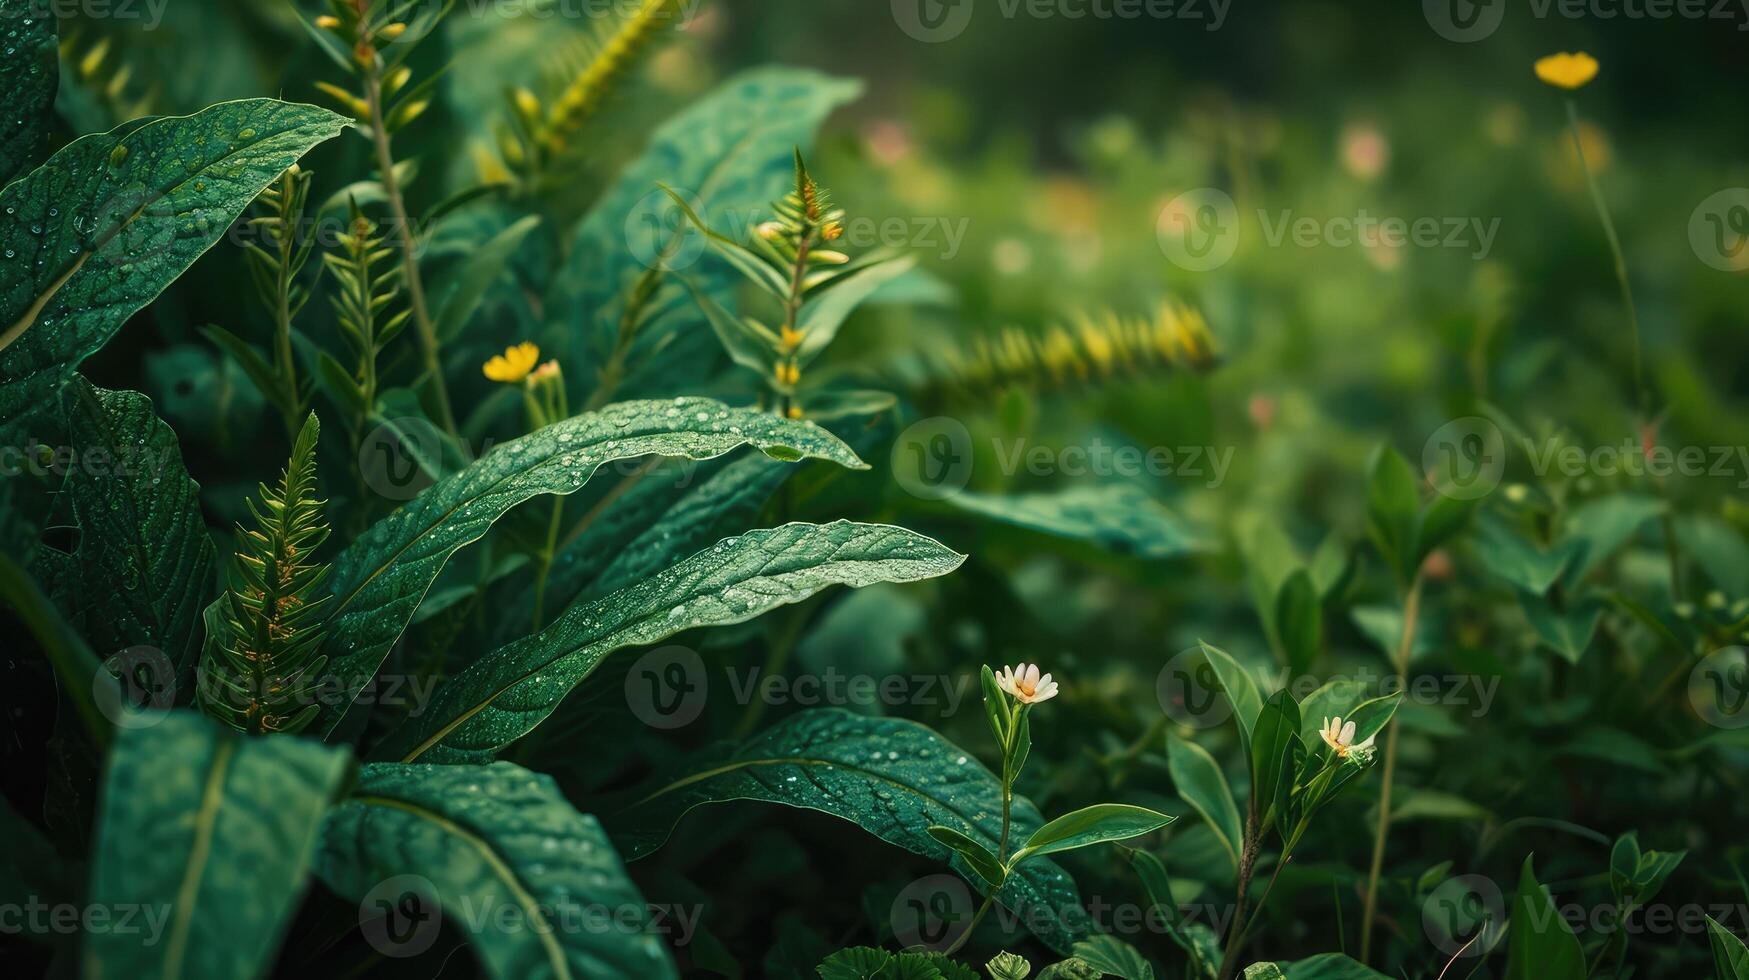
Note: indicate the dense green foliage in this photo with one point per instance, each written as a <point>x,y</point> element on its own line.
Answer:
<point>920,491</point>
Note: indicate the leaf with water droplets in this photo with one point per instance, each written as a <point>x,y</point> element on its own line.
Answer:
<point>1119,517</point>
<point>892,777</point>
<point>379,581</point>
<point>145,559</point>
<point>536,884</point>
<point>29,71</point>
<point>92,237</point>
<point>506,693</point>
<point>208,835</point>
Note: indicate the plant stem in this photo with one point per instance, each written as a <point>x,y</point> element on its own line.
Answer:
<point>1247,866</point>
<point>1621,265</point>
<point>1411,611</point>
<point>428,343</point>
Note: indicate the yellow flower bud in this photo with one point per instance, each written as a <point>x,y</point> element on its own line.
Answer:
<point>328,22</point>
<point>392,31</point>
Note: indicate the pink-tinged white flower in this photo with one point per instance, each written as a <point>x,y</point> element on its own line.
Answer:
<point>1339,735</point>
<point>1025,685</point>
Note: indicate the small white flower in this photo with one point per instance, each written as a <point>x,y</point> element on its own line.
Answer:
<point>1025,684</point>
<point>1340,737</point>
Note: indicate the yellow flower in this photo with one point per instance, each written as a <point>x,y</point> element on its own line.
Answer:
<point>1565,70</point>
<point>1025,685</point>
<point>514,364</point>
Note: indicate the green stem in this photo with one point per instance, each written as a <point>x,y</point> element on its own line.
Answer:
<point>428,342</point>
<point>1411,612</point>
<point>1621,265</point>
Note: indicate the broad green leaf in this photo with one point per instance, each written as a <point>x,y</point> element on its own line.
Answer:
<point>482,268</point>
<point>1730,956</point>
<point>1272,751</point>
<point>822,315</point>
<point>1336,699</point>
<point>1198,944</point>
<point>505,694</point>
<point>894,778</point>
<point>1568,631</point>
<point>649,520</point>
<point>1599,528</point>
<point>145,558</point>
<point>1433,804</point>
<point>1624,864</point>
<point>28,76</point>
<point>729,155</point>
<point>213,831</point>
<point>98,231</point>
<point>1241,690</point>
<point>1199,782</point>
<point>1718,549</point>
<point>977,856</point>
<point>1542,945</point>
<point>380,579</point>
<point>1114,957</point>
<point>1299,620</point>
<point>1439,522</point>
<point>1508,555</point>
<point>1324,966</point>
<point>1119,517</point>
<point>535,884</point>
<point>856,963</point>
<point>1270,557</point>
<point>1097,824</point>
<point>1392,507</point>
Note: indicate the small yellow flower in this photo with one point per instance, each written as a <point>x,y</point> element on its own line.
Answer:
<point>327,22</point>
<point>788,374</point>
<point>1025,685</point>
<point>1567,70</point>
<point>548,370</point>
<point>1340,737</point>
<point>789,337</point>
<point>769,230</point>
<point>514,364</point>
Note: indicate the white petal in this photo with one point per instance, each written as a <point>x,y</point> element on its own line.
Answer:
<point>1348,733</point>
<point>1032,675</point>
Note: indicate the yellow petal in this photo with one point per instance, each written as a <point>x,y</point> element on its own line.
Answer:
<point>514,364</point>
<point>1567,70</point>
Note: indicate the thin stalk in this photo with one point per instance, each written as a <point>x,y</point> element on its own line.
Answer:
<point>1411,612</point>
<point>428,342</point>
<point>1247,867</point>
<point>1008,746</point>
<point>1621,265</point>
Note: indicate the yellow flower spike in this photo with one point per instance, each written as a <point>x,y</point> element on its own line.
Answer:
<point>789,337</point>
<point>514,364</point>
<point>1567,70</point>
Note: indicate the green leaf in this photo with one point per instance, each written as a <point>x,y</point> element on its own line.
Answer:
<point>1114,957</point>
<point>1097,824</point>
<point>1200,783</point>
<point>1119,517</point>
<point>1439,522</point>
<point>212,830</point>
<point>1624,864</point>
<point>822,315</point>
<point>145,558</point>
<point>1241,690</point>
<point>995,704</point>
<point>978,857</point>
<point>1597,529</point>
<point>380,579</point>
<point>856,963</point>
<point>1201,947</point>
<point>1299,618</point>
<point>1433,804</point>
<point>98,231</point>
<point>1272,752</point>
<point>1543,946</point>
<point>1509,556</point>
<point>497,844</point>
<point>1008,966</point>
<point>28,76</point>
<point>261,373</point>
<point>1324,966</point>
<point>1730,956</point>
<point>1392,507</point>
<point>1569,631</point>
<point>894,778</point>
<point>730,154</point>
<point>483,267</point>
<point>505,694</point>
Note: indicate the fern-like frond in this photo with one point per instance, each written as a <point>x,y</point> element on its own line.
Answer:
<point>544,133</point>
<point>259,670</point>
<point>1091,349</point>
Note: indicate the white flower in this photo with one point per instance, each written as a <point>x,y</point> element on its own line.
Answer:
<point>1340,737</point>
<point>1025,684</point>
